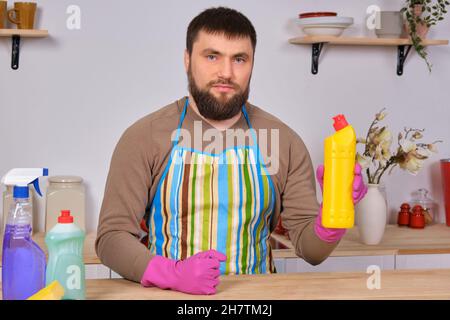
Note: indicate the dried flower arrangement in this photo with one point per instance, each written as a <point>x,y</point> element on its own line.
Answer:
<point>377,157</point>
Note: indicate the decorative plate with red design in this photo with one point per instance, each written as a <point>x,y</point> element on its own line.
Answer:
<point>317,14</point>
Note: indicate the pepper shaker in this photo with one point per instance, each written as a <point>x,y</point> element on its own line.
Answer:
<point>417,219</point>
<point>404,215</point>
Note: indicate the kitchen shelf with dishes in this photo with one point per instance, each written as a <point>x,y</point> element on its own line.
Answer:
<point>403,46</point>
<point>16,35</point>
<point>326,28</point>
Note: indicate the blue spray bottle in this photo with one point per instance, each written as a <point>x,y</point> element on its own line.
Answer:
<point>23,271</point>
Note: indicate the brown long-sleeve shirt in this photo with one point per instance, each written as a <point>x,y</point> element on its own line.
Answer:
<point>142,154</point>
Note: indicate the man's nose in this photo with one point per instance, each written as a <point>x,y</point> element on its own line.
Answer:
<point>226,69</point>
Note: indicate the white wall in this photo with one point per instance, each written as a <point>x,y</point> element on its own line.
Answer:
<point>77,91</point>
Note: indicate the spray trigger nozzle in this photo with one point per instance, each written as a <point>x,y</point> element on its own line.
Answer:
<point>36,187</point>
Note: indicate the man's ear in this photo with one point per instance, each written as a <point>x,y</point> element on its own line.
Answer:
<point>186,60</point>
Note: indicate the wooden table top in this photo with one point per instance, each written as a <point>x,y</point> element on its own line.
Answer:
<point>395,284</point>
<point>433,239</point>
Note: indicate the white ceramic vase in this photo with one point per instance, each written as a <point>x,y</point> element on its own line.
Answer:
<point>372,213</point>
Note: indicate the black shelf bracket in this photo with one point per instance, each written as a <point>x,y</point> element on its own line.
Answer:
<point>15,52</point>
<point>316,50</point>
<point>401,57</point>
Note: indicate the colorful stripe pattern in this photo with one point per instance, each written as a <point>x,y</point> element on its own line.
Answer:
<point>214,201</point>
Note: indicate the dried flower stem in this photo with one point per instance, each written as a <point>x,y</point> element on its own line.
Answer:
<point>388,164</point>
<point>366,150</point>
<point>377,155</point>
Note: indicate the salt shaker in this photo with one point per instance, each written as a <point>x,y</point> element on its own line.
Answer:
<point>404,215</point>
<point>417,219</point>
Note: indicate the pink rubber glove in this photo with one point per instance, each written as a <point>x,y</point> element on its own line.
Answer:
<point>359,191</point>
<point>198,274</point>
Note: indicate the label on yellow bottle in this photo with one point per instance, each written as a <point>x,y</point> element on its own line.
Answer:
<point>338,210</point>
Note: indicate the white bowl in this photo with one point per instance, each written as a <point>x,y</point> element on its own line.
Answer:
<point>324,30</point>
<point>325,26</point>
<point>326,20</point>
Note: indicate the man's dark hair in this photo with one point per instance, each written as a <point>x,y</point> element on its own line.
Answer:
<point>220,20</point>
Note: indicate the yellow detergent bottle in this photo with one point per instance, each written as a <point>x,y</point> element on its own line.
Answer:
<point>340,149</point>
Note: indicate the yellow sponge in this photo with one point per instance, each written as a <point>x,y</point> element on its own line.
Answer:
<point>54,291</point>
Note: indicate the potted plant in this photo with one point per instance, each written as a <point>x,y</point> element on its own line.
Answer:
<point>420,15</point>
<point>376,160</point>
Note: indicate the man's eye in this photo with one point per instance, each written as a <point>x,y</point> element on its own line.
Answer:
<point>240,60</point>
<point>211,57</point>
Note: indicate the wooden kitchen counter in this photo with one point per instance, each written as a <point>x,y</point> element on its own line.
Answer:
<point>397,284</point>
<point>433,239</point>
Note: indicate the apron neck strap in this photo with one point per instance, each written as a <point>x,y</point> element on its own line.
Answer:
<point>183,115</point>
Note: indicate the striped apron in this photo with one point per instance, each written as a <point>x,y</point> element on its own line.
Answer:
<point>208,201</point>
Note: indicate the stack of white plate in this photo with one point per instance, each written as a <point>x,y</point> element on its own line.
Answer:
<point>325,26</point>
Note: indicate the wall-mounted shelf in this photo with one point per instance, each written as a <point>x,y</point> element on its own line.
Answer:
<point>317,43</point>
<point>15,35</point>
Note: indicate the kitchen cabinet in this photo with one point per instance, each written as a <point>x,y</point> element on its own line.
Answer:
<point>115,275</point>
<point>97,271</point>
<point>341,264</point>
<point>400,248</point>
<point>423,261</point>
<point>280,265</point>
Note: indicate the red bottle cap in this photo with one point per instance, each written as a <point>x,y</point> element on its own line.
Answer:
<point>339,122</point>
<point>65,217</point>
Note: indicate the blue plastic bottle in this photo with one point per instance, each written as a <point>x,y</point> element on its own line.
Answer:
<point>23,271</point>
<point>65,243</point>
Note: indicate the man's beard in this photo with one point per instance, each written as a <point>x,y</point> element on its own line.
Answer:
<point>212,108</point>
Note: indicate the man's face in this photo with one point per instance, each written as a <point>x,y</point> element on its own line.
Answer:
<point>219,71</point>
